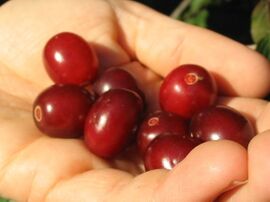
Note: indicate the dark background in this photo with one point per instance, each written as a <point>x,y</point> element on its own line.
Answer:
<point>232,18</point>
<point>2,1</point>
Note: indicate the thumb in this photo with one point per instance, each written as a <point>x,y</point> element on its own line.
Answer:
<point>162,44</point>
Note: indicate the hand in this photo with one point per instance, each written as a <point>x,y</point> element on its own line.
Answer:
<point>34,167</point>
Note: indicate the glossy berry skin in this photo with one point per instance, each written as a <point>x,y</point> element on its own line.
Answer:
<point>158,123</point>
<point>166,151</point>
<point>60,110</point>
<point>112,121</point>
<point>69,59</point>
<point>114,78</point>
<point>221,122</point>
<point>187,90</point>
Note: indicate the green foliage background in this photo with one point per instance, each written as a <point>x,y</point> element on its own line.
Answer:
<point>5,200</point>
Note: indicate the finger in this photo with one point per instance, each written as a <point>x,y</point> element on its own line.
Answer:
<point>162,44</point>
<point>40,165</point>
<point>257,188</point>
<point>200,177</point>
<point>208,171</point>
<point>256,110</point>
<point>33,162</point>
<point>94,185</point>
<point>259,166</point>
<point>22,43</point>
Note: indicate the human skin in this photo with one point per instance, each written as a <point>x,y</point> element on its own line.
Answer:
<point>34,167</point>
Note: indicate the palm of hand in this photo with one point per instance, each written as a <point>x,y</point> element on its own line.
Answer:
<point>63,170</point>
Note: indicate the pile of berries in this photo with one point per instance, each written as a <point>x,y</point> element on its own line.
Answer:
<point>111,114</point>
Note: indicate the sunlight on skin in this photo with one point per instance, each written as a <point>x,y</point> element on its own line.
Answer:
<point>257,188</point>
<point>34,167</point>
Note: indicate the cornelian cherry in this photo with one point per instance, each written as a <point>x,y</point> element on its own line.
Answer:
<point>112,122</point>
<point>158,123</point>
<point>166,151</point>
<point>69,59</point>
<point>60,110</point>
<point>187,90</point>
<point>114,78</point>
<point>221,122</point>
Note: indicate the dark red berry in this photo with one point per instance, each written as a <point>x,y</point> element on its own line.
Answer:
<point>187,90</point>
<point>112,121</point>
<point>221,122</point>
<point>158,123</point>
<point>115,78</point>
<point>60,110</point>
<point>69,59</point>
<point>166,151</point>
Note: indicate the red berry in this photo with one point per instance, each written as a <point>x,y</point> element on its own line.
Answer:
<point>221,122</point>
<point>112,121</point>
<point>115,78</point>
<point>158,123</point>
<point>69,59</point>
<point>166,151</point>
<point>187,90</point>
<point>60,110</point>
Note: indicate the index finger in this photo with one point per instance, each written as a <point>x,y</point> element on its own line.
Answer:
<point>162,44</point>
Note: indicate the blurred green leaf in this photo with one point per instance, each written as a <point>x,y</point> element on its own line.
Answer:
<point>264,46</point>
<point>198,5</point>
<point>195,11</point>
<point>4,200</point>
<point>260,24</point>
<point>199,19</point>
